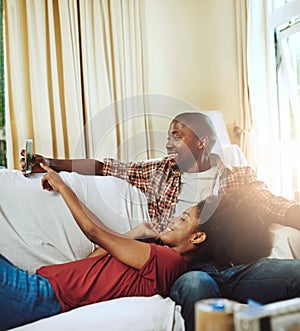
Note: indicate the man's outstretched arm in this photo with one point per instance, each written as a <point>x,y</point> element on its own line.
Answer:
<point>81,166</point>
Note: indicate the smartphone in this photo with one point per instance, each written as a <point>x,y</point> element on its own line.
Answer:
<point>28,155</point>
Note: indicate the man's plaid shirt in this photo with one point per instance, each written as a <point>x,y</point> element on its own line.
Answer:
<point>159,180</point>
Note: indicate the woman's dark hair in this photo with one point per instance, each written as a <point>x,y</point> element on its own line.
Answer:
<point>201,125</point>
<point>237,231</point>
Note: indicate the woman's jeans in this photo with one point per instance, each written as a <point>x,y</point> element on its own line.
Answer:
<point>24,297</point>
<point>264,281</point>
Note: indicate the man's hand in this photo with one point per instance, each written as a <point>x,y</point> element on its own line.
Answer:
<point>35,162</point>
<point>51,180</point>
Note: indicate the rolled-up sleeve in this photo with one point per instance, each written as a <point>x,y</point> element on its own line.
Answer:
<point>275,206</point>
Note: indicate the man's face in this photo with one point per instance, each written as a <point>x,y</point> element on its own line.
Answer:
<point>184,143</point>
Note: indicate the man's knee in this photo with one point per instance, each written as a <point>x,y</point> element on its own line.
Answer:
<point>194,285</point>
<point>190,288</point>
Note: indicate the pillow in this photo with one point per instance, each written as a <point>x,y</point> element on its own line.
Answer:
<point>130,314</point>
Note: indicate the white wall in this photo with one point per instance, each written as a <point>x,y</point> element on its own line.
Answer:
<point>190,53</point>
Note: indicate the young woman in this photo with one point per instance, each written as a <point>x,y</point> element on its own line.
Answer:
<point>234,262</point>
<point>121,267</point>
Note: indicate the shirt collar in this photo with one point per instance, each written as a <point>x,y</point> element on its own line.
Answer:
<point>217,161</point>
<point>173,164</point>
<point>214,159</point>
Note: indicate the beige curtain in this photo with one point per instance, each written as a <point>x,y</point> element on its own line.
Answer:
<point>246,141</point>
<point>43,77</point>
<point>261,65</point>
<point>258,89</point>
<point>73,68</point>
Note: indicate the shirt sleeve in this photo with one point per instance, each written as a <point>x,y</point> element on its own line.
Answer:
<point>170,266</point>
<point>138,174</point>
<point>275,206</point>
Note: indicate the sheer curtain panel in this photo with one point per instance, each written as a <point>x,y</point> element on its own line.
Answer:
<point>116,121</point>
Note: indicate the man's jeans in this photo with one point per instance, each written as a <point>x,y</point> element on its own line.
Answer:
<point>24,297</point>
<point>264,281</point>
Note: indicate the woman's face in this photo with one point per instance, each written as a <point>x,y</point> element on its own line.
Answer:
<point>181,228</point>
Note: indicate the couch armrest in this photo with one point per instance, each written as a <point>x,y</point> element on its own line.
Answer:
<point>286,244</point>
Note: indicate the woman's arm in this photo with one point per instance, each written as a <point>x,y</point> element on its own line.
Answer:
<point>130,252</point>
<point>141,231</point>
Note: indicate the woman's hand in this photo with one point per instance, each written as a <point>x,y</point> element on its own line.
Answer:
<point>34,162</point>
<point>51,180</point>
<point>143,231</point>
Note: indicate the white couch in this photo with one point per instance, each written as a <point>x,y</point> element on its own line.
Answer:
<point>38,229</point>
<point>130,314</point>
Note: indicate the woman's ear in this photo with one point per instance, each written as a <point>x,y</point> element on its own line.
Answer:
<point>198,238</point>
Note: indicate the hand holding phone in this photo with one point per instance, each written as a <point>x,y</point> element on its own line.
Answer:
<point>28,155</point>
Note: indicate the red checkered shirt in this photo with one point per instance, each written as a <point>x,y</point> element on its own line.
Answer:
<point>159,180</point>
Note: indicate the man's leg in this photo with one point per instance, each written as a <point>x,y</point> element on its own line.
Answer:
<point>265,281</point>
<point>188,289</point>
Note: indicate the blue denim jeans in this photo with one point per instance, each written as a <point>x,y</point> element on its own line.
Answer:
<point>24,297</point>
<point>264,281</point>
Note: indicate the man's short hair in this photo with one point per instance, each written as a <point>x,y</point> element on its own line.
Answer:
<point>201,125</point>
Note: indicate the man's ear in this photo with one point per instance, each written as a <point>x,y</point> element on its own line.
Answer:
<point>203,141</point>
<point>198,238</point>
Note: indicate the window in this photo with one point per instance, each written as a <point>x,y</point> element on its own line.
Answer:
<point>279,3</point>
<point>287,42</point>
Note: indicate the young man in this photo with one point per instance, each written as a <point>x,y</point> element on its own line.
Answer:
<point>190,173</point>
<point>127,267</point>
